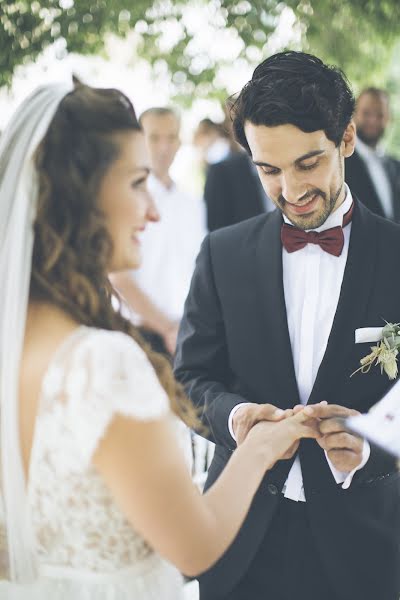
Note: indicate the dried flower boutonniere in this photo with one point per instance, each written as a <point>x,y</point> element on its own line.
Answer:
<point>385,354</point>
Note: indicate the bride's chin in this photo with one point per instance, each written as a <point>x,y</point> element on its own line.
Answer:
<point>131,261</point>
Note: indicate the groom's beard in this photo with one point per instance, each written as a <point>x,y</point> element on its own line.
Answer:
<point>318,218</point>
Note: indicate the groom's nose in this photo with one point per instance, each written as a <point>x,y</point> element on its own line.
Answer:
<point>290,188</point>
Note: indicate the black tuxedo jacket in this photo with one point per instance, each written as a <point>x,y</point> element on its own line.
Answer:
<point>232,192</point>
<point>359,181</point>
<point>234,346</point>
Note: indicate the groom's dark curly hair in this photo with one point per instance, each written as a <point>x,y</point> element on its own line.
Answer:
<point>298,89</point>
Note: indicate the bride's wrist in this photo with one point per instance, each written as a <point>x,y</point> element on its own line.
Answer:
<point>261,452</point>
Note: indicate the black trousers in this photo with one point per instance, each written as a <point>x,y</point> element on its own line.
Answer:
<point>287,565</point>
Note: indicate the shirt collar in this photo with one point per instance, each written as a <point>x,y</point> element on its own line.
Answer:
<point>366,152</point>
<point>335,219</point>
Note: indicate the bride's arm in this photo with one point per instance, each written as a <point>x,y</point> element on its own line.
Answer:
<point>143,466</point>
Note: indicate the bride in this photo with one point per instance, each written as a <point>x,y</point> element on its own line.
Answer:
<point>97,503</point>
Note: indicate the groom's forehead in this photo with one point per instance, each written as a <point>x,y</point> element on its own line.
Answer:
<point>283,142</point>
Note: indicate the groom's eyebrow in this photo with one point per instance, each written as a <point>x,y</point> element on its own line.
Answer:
<point>296,162</point>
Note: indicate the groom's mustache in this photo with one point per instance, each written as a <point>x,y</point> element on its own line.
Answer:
<point>303,200</point>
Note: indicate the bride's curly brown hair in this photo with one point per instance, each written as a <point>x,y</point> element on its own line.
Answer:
<point>72,247</point>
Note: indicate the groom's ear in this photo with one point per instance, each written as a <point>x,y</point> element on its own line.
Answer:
<point>348,142</point>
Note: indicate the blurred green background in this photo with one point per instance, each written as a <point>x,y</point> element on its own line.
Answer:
<point>203,43</point>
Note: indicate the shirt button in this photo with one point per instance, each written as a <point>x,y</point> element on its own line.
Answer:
<point>273,490</point>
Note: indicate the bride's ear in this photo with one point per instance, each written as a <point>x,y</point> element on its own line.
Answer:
<point>349,140</point>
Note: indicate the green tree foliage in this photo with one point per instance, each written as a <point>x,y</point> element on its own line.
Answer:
<point>27,27</point>
<point>358,35</point>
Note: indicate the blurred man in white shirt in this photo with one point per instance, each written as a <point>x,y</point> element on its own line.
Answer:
<point>157,290</point>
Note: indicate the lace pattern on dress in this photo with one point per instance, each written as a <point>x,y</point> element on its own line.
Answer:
<point>94,377</point>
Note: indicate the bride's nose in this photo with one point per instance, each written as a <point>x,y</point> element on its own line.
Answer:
<point>152,213</point>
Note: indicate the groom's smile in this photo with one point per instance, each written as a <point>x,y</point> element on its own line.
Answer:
<point>302,208</point>
<point>302,173</point>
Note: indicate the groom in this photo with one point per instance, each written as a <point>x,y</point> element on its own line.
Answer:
<point>270,324</point>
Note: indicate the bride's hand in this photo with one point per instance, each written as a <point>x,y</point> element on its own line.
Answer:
<point>280,440</point>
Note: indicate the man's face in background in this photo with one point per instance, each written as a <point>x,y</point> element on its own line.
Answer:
<point>371,117</point>
<point>162,140</point>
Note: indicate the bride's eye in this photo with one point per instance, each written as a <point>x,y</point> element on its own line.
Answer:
<point>139,182</point>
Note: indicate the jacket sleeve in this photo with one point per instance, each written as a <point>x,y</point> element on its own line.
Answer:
<point>202,361</point>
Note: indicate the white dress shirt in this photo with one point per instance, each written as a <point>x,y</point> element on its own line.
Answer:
<point>379,177</point>
<point>312,280</point>
<point>169,247</point>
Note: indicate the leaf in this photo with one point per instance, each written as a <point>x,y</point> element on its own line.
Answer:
<point>361,37</point>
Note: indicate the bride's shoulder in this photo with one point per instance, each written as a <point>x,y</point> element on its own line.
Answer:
<point>108,343</point>
<point>104,356</point>
<point>99,374</point>
<point>112,354</point>
<point>108,336</point>
<point>109,369</point>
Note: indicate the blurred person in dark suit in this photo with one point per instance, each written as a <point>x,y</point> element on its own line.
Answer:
<point>372,175</point>
<point>212,140</point>
<point>233,192</point>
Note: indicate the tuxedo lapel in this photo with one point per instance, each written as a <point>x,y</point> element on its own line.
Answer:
<point>392,170</point>
<point>360,183</point>
<point>357,284</point>
<point>272,311</point>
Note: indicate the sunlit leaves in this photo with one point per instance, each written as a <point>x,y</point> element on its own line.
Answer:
<point>198,39</point>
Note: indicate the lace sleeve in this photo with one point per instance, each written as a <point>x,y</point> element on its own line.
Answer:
<point>105,374</point>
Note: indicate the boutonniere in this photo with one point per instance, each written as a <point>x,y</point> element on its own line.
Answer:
<point>385,353</point>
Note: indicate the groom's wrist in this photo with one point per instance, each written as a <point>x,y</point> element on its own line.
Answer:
<point>231,416</point>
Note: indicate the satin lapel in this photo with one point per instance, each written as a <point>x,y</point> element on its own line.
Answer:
<point>393,173</point>
<point>357,285</point>
<point>273,318</point>
<point>362,182</point>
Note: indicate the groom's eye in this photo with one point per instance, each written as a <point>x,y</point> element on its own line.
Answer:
<point>269,171</point>
<point>308,167</point>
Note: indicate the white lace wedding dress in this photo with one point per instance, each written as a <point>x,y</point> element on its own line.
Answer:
<point>87,549</point>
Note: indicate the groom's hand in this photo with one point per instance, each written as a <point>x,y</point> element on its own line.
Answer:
<point>344,449</point>
<point>249,415</point>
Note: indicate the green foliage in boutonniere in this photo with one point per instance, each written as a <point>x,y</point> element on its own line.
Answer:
<point>385,354</point>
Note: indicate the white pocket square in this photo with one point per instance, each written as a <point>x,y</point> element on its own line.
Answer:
<point>368,334</point>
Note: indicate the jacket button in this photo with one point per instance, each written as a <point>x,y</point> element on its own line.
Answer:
<point>273,490</point>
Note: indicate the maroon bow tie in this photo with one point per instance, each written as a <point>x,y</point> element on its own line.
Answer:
<point>331,240</point>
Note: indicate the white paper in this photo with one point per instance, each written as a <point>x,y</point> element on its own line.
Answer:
<point>382,424</point>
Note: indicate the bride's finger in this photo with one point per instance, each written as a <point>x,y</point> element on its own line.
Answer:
<point>309,431</point>
<point>303,415</point>
<point>304,423</point>
<point>301,407</point>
